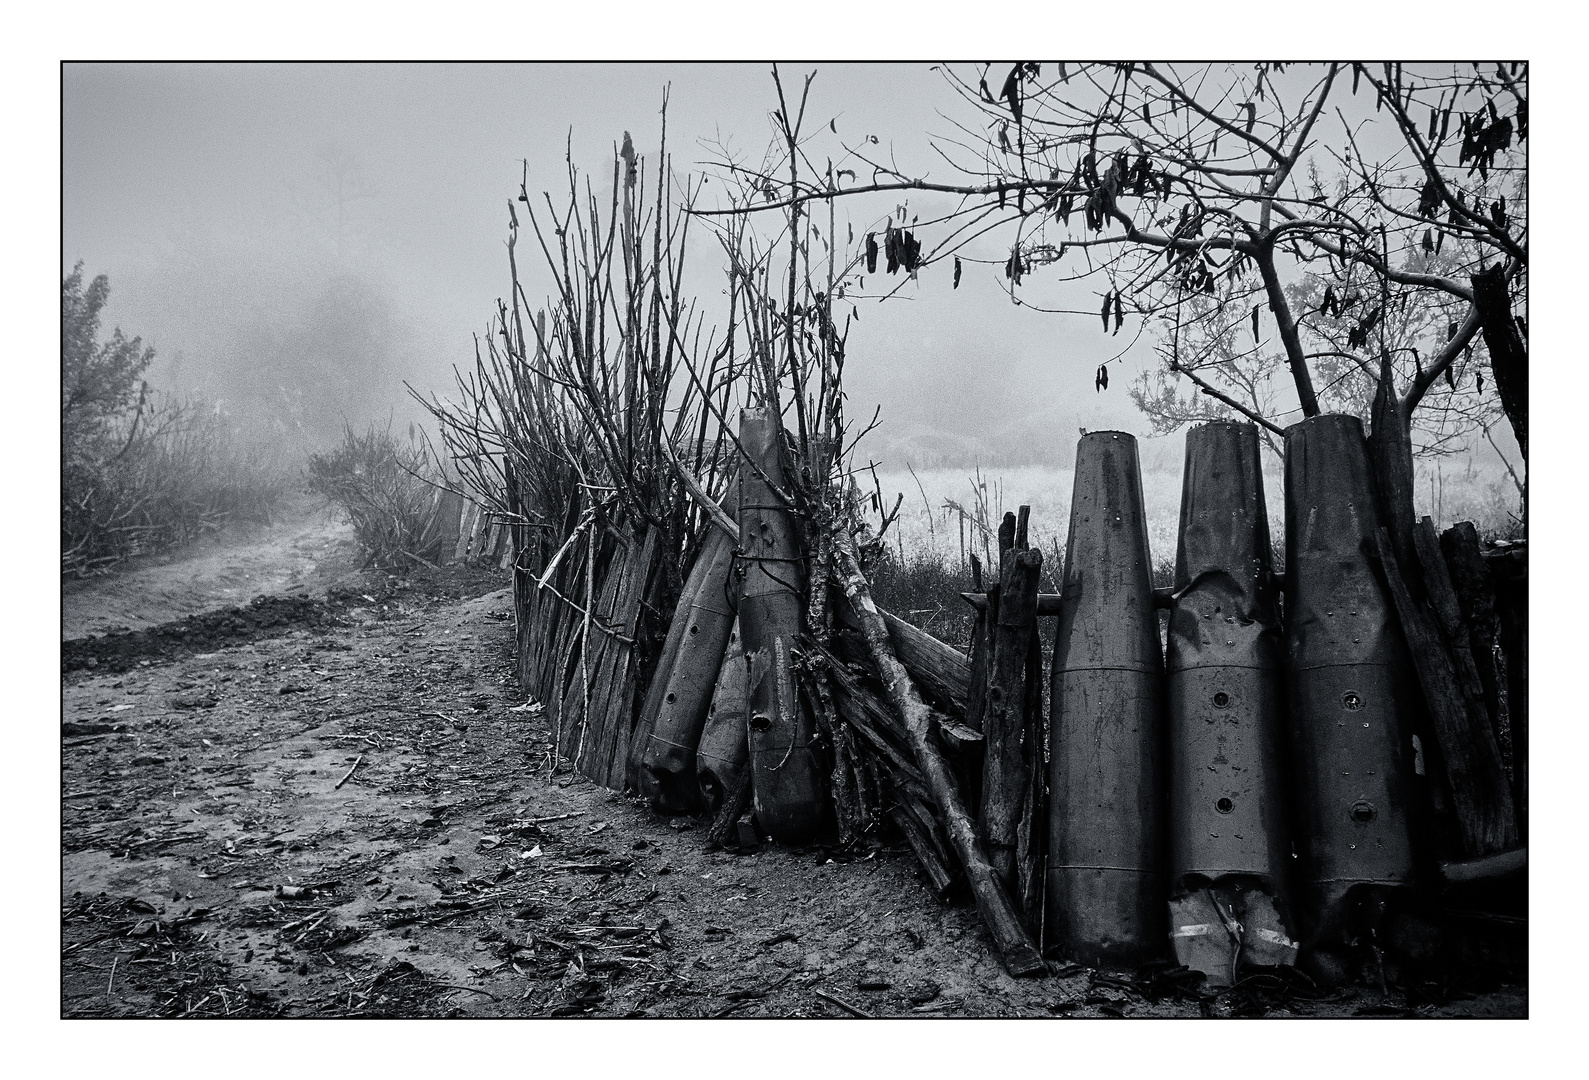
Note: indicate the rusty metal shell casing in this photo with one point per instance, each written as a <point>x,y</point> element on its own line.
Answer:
<point>1351,757</point>
<point>1106,858</point>
<point>1227,803</point>
<point>667,778</point>
<point>786,773</point>
<point>723,754</point>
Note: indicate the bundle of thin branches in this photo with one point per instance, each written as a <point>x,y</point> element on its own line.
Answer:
<point>388,493</point>
<point>571,408</point>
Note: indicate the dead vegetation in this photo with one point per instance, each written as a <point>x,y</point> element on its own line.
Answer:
<point>388,490</point>
<point>659,486</point>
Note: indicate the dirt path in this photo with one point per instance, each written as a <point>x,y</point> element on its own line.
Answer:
<point>304,551</point>
<point>352,814</point>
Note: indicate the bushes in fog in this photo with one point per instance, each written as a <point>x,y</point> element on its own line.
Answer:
<point>388,491</point>
<point>141,472</point>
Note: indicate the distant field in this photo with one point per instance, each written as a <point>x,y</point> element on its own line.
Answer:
<point>1455,489</point>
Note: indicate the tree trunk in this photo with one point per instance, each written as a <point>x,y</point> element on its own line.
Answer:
<point>1265,258</point>
<point>1006,768</point>
<point>1031,851</point>
<point>1480,794</point>
<point>1447,610</point>
<point>942,671</point>
<point>1390,449</point>
<point>1492,299</point>
<point>1509,572</point>
<point>1471,579</point>
<point>864,712</point>
<point>970,772</point>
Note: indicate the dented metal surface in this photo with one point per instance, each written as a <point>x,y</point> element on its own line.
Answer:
<point>1223,661</point>
<point>1220,929</point>
<point>1227,806</point>
<point>667,777</point>
<point>1351,753</point>
<point>786,774</point>
<point>723,753</point>
<point>1106,852</point>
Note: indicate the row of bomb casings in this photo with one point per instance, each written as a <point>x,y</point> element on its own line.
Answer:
<point>1251,789</point>
<point>1258,782</point>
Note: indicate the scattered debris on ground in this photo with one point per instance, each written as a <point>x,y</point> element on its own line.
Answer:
<point>221,856</point>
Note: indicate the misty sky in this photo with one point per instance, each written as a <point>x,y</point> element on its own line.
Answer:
<point>352,219</point>
<point>310,236</point>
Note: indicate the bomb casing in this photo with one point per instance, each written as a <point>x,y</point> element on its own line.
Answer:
<point>789,794</point>
<point>723,753</point>
<point>668,775</point>
<point>1226,710</point>
<point>1351,752</point>
<point>1106,851</point>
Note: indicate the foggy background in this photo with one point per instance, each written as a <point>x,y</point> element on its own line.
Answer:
<point>297,240</point>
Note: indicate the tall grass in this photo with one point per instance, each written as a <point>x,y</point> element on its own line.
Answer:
<point>949,514</point>
<point>158,479</point>
<point>929,522</point>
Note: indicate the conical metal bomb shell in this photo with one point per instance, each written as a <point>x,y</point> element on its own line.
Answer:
<point>723,755</point>
<point>1227,812</point>
<point>668,776</point>
<point>786,774</point>
<point>640,740</point>
<point>1106,858</point>
<point>1350,755</point>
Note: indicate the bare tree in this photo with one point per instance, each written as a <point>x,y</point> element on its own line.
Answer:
<point>1366,223</point>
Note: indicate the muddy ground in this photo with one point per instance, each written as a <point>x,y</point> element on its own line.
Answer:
<point>335,802</point>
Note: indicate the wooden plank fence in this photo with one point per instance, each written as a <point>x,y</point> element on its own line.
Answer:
<point>469,534</point>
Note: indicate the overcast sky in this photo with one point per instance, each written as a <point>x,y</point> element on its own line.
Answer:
<point>249,214</point>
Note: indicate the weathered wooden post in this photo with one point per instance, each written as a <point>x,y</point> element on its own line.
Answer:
<point>786,775</point>
<point>1106,858</point>
<point>1481,795</point>
<point>999,915</point>
<point>450,506</point>
<point>1510,573</point>
<point>1228,850</point>
<point>1351,751</point>
<point>981,661</point>
<point>1007,764</point>
<point>1470,577</point>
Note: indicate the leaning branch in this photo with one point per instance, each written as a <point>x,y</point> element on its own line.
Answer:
<point>1021,956</point>
<point>1219,395</point>
<point>1443,358</point>
<point>698,493</point>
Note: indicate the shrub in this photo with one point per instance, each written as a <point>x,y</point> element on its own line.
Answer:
<point>142,472</point>
<point>388,491</point>
<point>180,474</point>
